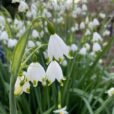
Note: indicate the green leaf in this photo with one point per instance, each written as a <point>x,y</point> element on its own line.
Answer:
<point>49,110</point>
<point>15,66</point>
<point>19,52</point>
<point>104,105</point>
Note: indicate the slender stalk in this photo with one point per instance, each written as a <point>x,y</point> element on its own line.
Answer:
<point>47,94</point>
<point>12,102</point>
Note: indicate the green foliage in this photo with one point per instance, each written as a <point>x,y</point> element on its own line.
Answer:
<point>87,80</point>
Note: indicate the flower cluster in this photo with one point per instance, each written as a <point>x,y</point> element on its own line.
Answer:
<point>57,49</point>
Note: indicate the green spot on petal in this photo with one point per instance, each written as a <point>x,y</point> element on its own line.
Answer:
<point>34,83</point>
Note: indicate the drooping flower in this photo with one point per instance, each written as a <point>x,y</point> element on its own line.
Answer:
<point>31,44</point>
<point>102,15</point>
<point>35,73</point>
<point>82,25</point>
<point>35,34</point>
<point>21,85</point>
<point>54,72</point>
<point>12,43</point>
<point>23,6</point>
<point>57,48</point>
<point>106,33</point>
<point>64,63</point>
<point>96,22</point>
<point>84,7</point>
<point>15,1</point>
<point>61,111</point>
<point>4,36</point>
<point>74,47</point>
<point>110,92</point>
<point>83,51</point>
<point>96,47</point>
<point>87,46</point>
<point>96,37</point>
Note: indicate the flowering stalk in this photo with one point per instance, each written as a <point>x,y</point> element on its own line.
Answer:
<point>59,98</point>
<point>15,67</point>
<point>12,102</point>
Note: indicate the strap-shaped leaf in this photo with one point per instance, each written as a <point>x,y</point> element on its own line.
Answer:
<point>15,66</point>
<point>19,52</point>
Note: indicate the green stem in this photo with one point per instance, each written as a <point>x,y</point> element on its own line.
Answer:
<point>24,62</point>
<point>59,98</point>
<point>47,94</point>
<point>12,102</point>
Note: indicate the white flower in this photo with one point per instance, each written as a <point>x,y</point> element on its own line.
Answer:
<point>74,47</point>
<point>31,44</point>
<point>90,24</point>
<point>54,72</point>
<point>96,22</point>
<point>84,7</point>
<point>96,47</point>
<point>87,46</point>
<point>83,51</point>
<point>110,92</point>
<point>64,63</point>
<point>87,32</point>
<point>57,48</point>
<point>22,6</point>
<point>29,14</point>
<point>2,21</point>
<point>36,73</point>
<point>96,37</point>
<point>21,85</point>
<point>106,33</point>
<point>12,43</point>
<point>78,10</point>
<point>102,15</point>
<point>82,25</point>
<point>26,87</point>
<point>61,111</point>
<point>35,34</point>
<point>4,36</point>
<point>87,20</point>
<point>15,1</point>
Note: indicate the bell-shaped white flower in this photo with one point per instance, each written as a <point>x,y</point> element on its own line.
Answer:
<point>61,111</point>
<point>21,85</point>
<point>12,43</point>
<point>15,1</point>
<point>82,25</point>
<point>74,47</point>
<point>84,7</point>
<point>64,63</point>
<point>110,92</point>
<point>22,6</point>
<point>96,22</point>
<point>57,48</point>
<point>83,51</point>
<point>35,34</point>
<point>4,36</point>
<point>26,87</point>
<point>88,32</point>
<point>96,47</point>
<point>87,46</point>
<point>102,15</point>
<point>31,44</point>
<point>35,73</point>
<point>96,37</point>
<point>106,33</point>
<point>54,72</point>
